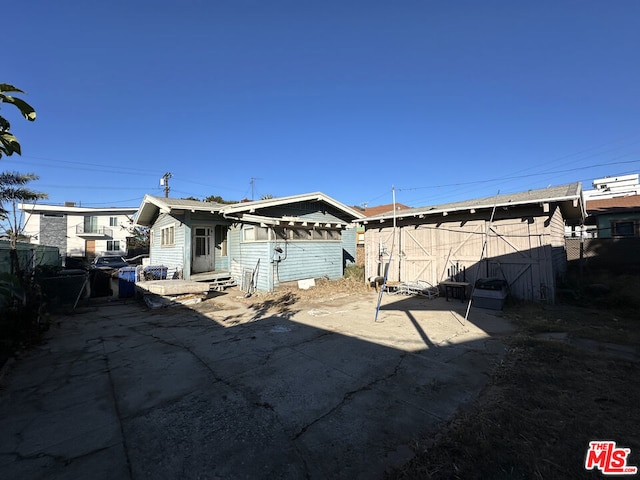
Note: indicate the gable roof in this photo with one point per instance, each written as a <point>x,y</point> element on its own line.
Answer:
<point>250,207</point>
<point>569,196</point>
<point>152,206</point>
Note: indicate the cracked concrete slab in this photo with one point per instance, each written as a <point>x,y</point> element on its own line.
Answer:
<point>217,391</point>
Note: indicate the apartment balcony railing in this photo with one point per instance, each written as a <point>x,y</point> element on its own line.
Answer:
<point>81,230</point>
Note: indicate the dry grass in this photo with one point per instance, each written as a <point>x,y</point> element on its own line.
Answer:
<point>287,299</point>
<point>324,289</point>
<point>544,403</point>
<point>603,325</point>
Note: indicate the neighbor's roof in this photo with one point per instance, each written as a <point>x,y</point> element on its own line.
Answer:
<point>629,202</point>
<point>73,209</point>
<point>570,194</point>
<point>251,207</point>
<point>151,206</point>
<point>380,209</point>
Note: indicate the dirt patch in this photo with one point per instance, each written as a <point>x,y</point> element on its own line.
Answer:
<point>287,299</point>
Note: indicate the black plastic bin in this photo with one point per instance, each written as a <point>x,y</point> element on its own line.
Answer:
<point>127,282</point>
<point>492,284</point>
<point>100,283</point>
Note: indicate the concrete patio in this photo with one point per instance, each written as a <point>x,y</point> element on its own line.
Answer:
<point>222,390</point>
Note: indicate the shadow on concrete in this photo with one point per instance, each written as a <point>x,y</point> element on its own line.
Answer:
<point>225,391</point>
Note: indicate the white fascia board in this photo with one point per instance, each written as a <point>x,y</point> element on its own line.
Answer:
<point>274,202</point>
<point>37,208</point>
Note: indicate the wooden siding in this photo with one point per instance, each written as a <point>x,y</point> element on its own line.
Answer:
<point>349,252</point>
<point>558,245</point>
<point>378,245</point>
<point>519,248</point>
<point>309,260</point>
<point>299,260</point>
<point>171,257</point>
<point>246,256</point>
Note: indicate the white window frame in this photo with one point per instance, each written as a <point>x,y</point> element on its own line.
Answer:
<point>249,233</point>
<point>168,236</point>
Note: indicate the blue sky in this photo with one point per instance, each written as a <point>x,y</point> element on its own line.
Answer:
<point>443,100</point>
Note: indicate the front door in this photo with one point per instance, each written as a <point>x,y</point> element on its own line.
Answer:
<point>90,248</point>
<point>202,258</point>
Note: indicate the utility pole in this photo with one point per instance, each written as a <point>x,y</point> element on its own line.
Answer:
<point>164,181</point>
<point>253,184</point>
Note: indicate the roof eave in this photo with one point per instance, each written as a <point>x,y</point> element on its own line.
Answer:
<point>472,208</point>
<point>315,196</point>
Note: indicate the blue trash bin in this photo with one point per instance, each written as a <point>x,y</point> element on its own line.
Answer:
<point>127,282</point>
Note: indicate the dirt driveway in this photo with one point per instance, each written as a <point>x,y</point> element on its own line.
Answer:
<point>242,388</point>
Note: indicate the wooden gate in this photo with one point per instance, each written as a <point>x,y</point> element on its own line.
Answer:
<point>519,254</point>
<point>417,259</point>
<point>432,251</point>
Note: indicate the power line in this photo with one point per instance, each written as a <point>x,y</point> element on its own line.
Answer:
<point>550,172</point>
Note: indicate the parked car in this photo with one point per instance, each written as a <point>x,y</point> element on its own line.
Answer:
<point>109,262</point>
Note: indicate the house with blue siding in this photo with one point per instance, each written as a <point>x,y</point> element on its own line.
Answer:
<point>270,241</point>
<point>617,217</point>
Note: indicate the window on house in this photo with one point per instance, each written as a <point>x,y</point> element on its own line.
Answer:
<point>334,235</point>
<point>221,240</point>
<point>252,234</point>
<point>203,242</point>
<point>282,233</point>
<point>624,228</point>
<point>113,245</point>
<point>248,234</point>
<point>90,224</point>
<point>167,236</point>
<point>300,234</point>
<point>113,221</point>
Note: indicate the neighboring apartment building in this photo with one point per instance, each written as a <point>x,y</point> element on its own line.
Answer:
<point>611,187</point>
<point>79,231</point>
